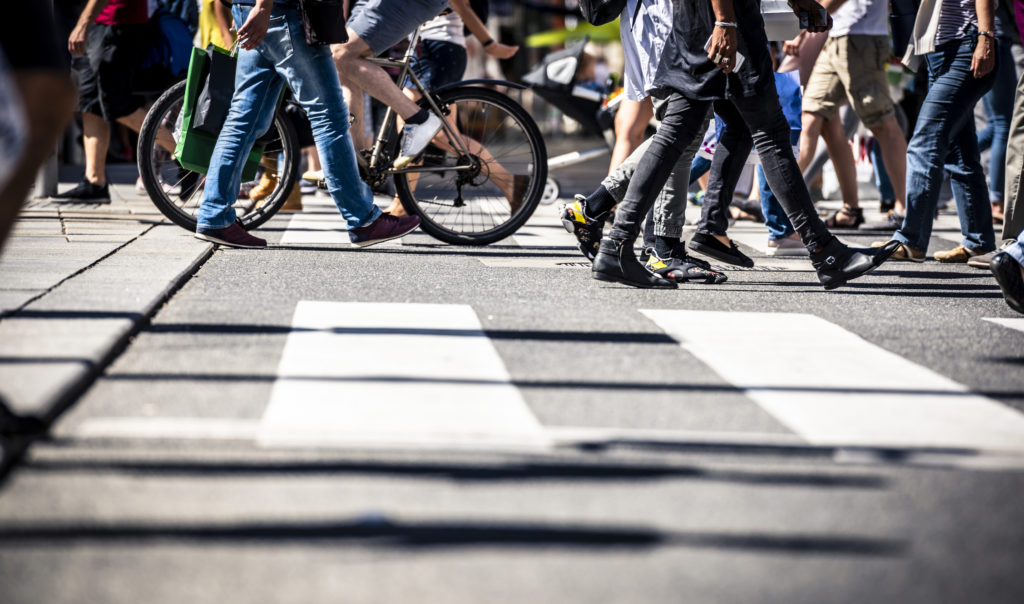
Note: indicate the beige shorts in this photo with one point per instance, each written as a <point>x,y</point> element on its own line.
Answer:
<point>851,67</point>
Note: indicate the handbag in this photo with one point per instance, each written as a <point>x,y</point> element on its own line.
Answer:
<point>323,22</point>
<point>195,147</point>
<point>215,97</point>
<point>599,12</point>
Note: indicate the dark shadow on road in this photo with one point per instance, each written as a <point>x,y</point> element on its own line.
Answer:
<point>463,472</point>
<point>557,384</point>
<point>383,533</point>
<point>494,334</point>
<point>73,314</point>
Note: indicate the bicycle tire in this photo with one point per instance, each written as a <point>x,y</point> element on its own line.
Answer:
<point>156,166</point>
<point>503,130</point>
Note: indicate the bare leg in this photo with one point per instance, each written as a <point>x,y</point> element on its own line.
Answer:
<point>894,155</point>
<point>163,135</point>
<point>95,141</point>
<point>842,160</point>
<point>49,99</point>
<point>630,125</point>
<point>360,75</point>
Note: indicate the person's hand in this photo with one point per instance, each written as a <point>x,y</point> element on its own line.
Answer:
<point>792,47</point>
<point>820,20</point>
<point>254,29</point>
<point>984,59</point>
<point>501,51</point>
<point>722,49</point>
<point>76,41</point>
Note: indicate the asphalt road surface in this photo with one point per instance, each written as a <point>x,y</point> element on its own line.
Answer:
<point>417,422</point>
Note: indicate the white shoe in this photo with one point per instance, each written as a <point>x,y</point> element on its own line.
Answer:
<point>786,246</point>
<point>415,138</point>
<point>313,176</point>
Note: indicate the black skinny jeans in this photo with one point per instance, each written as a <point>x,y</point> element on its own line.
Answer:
<point>749,120</point>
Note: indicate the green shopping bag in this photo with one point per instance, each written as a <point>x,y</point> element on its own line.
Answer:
<point>195,147</point>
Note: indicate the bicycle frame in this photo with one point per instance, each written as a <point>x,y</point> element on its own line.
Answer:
<point>404,66</point>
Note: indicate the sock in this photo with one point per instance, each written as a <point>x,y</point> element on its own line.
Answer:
<point>419,117</point>
<point>599,203</point>
<point>663,246</point>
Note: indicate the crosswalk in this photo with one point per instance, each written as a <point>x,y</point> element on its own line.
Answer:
<point>402,375</point>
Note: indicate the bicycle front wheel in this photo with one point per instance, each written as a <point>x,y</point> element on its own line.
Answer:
<point>484,189</point>
<point>178,192</point>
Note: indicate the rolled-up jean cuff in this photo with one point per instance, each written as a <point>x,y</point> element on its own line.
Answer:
<point>1016,251</point>
<point>668,229</point>
<point>374,214</point>
<point>616,187</point>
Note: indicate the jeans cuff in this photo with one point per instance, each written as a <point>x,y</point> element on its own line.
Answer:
<point>617,188</point>
<point>374,214</point>
<point>668,229</point>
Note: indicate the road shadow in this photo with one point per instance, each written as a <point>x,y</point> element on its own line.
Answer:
<point>380,532</point>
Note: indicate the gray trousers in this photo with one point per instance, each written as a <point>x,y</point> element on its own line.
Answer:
<point>670,205</point>
<point>1013,205</point>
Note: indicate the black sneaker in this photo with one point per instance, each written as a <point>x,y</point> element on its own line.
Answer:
<point>836,263</point>
<point>85,192</point>
<point>710,246</point>
<point>681,268</point>
<point>1007,273</point>
<point>588,231</point>
<point>615,262</point>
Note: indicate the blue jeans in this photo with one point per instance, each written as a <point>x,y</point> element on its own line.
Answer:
<point>945,137</point>
<point>998,109</point>
<point>1016,249</point>
<point>284,57</point>
<point>885,190</point>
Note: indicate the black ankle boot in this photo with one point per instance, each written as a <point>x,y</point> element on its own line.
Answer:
<point>836,263</point>
<point>616,262</point>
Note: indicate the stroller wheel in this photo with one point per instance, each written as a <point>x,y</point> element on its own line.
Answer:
<point>551,191</point>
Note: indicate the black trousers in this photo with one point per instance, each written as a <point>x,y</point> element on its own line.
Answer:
<point>749,120</point>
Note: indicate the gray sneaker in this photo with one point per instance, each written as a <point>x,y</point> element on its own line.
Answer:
<point>983,261</point>
<point>787,246</point>
<point>415,138</point>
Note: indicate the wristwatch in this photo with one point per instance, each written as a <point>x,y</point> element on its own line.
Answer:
<point>988,34</point>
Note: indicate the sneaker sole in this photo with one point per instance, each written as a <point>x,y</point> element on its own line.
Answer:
<point>376,241</point>
<point>612,279</point>
<point>213,239</point>
<point>717,255</point>
<point>794,253</point>
<point>832,286</point>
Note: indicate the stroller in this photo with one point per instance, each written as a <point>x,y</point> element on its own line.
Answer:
<point>553,79</point>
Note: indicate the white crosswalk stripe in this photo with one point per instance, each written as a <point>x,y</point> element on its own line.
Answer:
<point>427,375</point>
<point>1017,324</point>
<point>383,374</point>
<point>832,387</point>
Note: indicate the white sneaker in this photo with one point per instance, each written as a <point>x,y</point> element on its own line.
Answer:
<point>786,246</point>
<point>415,138</point>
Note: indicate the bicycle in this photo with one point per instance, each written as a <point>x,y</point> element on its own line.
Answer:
<point>478,182</point>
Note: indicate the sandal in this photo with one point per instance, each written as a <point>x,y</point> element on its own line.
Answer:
<point>857,214</point>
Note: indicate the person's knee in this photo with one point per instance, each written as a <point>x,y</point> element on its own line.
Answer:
<point>49,100</point>
<point>356,48</point>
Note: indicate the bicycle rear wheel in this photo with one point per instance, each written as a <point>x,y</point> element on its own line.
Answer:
<point>486,195</point>
<point>178,192</point>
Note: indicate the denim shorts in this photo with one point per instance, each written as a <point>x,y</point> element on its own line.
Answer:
<point>438,63</point>
<point>384,23</point>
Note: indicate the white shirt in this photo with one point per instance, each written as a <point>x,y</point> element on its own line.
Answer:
<point>861,17</point>
<point>444,28</point>
<point>644,26</point>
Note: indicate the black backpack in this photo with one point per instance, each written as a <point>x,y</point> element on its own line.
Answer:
<point>599,12</point>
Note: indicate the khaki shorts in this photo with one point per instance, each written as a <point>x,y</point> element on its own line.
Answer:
<point>851,67</point>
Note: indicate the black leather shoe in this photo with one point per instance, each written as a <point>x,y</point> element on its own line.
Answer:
<point>616,262</point>
<point>710,246</point>
<point>1007,273</point>
<point>836,263</point>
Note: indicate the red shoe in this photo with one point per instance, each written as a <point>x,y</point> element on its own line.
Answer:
<point>232,236</point>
